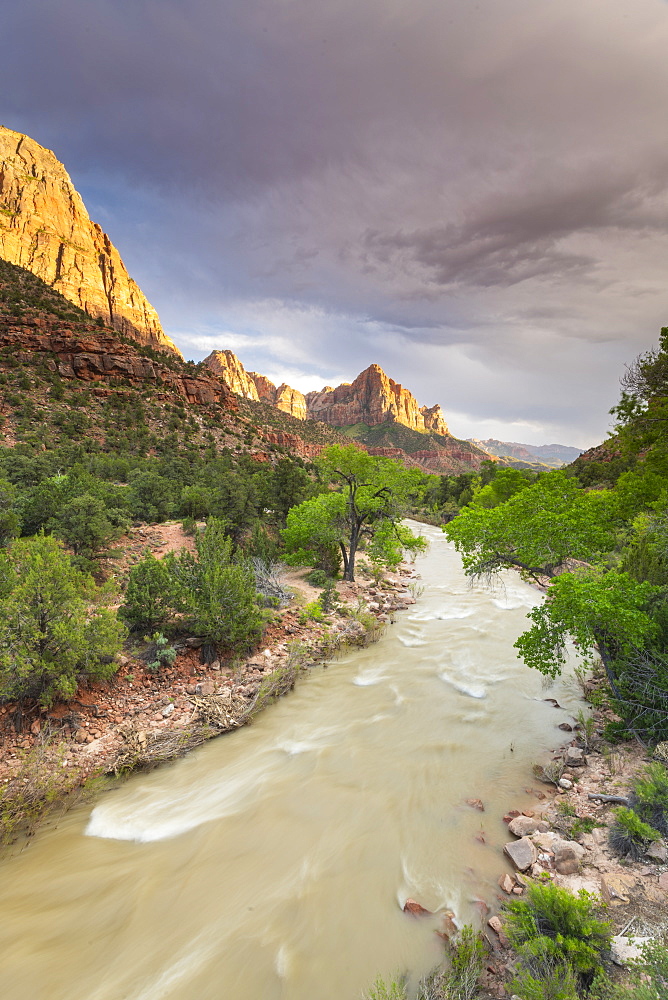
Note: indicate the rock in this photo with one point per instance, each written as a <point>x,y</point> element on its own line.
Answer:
<point>215,665</point>
<point>36,727</point>
<point>206,688</point>
<point>416,909</point>
<point>566,726</point>
<point>497,927</point>
<point>51,235</point>
<point>81,736</point>
<point>565,783</point>
<point>566,861</point>
<point>193,642</point>
<point>448,926</point>
<point>475,804</point>
<point>624,950</point>
<point>506,883</point>
<point>663,881</point>
<point>511,815</point>
<point>121,660</point>
<point>521,852</point>
<point>575,757</point>
<point>657,850</point>
<point>524,826</point>
<point>167,710</point>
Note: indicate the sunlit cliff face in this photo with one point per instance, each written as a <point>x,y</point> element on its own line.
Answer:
<point>472,196</point>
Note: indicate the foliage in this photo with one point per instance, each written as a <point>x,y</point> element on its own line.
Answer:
<point>629,835</point>
<point>649,797</point>
<point>87,525</point>
<point>311,612</point>
<point>395,990</point>
<point>317,578</point>
<point>163,654</point>
<point>598,610</point>
<point>551,979</point>
<point>54,628</point>
<point>467,958</point>
<point>149,595</point>
<point>536,529</point>
<point>268,582</point>
<point>370,501</point>
<point>551,928</point>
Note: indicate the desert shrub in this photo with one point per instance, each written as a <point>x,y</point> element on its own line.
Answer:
<point>317,578</point>
<point>394,990</point>
<point>467,958</point>
<point>629,835</point>
<point>554,980</point>
<point>54,627</point>
<point>160,653</point>
<point>328,598</point>
<point>268,582</point>
<point>551,772</point>
<point>311,612</point>
<point>189,525</point>
<point>550,928</point>
<point>149,595</point>
<point>649,797</point>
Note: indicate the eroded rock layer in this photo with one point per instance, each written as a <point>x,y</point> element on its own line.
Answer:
<point>44,227</point>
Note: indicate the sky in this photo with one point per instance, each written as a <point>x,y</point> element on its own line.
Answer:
<point>471,193</point>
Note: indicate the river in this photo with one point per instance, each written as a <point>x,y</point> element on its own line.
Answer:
<point>272,864</point>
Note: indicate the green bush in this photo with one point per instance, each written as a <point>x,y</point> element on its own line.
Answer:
<point>163,654</point>
<point>149,595</point>
<point>311,612</point>
<point>54,628</point>
<point>317,578</point>
<point>649,797</point>
<point>629,835</point>
<point>551,928</point>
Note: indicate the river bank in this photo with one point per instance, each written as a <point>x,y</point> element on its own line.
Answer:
<point>110,727</point>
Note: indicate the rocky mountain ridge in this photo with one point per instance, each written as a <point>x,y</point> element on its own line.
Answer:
<point>549,454</point>
<point>373,398</point>
<point>44,227</point>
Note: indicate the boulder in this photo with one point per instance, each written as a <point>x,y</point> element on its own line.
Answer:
<point>625,949</point>
<point>506,883</point>
<point>566,860</point>
<point>575,757</point>
<point>657,851</point>
<point>524,826</point>
<point>475,804</point>
<point>415,908</point>
<point>522,853</point>
<point>497,927</point>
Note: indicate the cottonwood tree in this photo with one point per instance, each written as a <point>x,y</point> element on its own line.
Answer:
<point>367,494</point>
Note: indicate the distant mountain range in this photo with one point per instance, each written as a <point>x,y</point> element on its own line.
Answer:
<point>554,455</point>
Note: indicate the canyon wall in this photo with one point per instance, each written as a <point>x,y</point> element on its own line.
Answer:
<point>44,227</point>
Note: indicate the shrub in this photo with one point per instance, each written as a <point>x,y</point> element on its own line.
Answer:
<point>629,835</point>
<point>317,578</point>
<point>163,654</point>
<point>649,797</point>
<point>467,957</point>
<point>54,628</point>
<point>311,612</point>
<point>328,598</point>
<point>149,595</point>
<point>555,980</point>
<point>268,582</point>
<point>551,928</point>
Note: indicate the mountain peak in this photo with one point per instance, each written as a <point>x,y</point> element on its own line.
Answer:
<point>45,228</point>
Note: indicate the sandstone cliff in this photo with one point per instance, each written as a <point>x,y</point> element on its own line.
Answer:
<point>44,227</point>
<point>373,398</point>
<point>252,385</point>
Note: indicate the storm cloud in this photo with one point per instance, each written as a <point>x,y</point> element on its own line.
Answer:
<point>473,195</point>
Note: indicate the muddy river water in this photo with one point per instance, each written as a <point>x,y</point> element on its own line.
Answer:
<point>272,864</point>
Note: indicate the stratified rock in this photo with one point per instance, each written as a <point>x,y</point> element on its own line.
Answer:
<point>373,398</point>
<point>522,853</point>
<point>45,228</point>
<point>524,826</point>
<point>252,385</point>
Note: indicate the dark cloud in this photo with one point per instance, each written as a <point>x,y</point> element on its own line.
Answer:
<point>473,195</point>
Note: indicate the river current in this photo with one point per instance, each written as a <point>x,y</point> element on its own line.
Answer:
<point>273,863</point>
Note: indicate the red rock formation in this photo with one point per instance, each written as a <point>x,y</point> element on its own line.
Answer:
<point>252,385</point>
<point>96,355</point>
<point>373,398</point>
<point>45,228</point>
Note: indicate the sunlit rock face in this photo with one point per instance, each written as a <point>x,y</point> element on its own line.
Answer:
<point>373,398</point>
<point>252,385</point>
<point>45,228</point>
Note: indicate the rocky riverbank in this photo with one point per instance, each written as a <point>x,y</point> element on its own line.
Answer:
<point>142,717</point>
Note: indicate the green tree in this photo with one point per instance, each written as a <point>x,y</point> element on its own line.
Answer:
<point>372,493</point>
<point>149,595</point>
<point>536,529</point>
<point>9,519</point>
<point>87,526</point>
<point>54,627</point>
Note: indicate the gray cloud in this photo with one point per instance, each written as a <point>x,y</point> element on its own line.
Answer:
<point>473,196</point>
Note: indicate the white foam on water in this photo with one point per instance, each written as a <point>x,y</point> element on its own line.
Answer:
<point>411,641</point>
<point>293,747</point>
<point>399,699</point>
<point>367,678</point>
<point>454,613</point>
<point>282,962</point>
<point>145,815</point>
<point>469,688</point>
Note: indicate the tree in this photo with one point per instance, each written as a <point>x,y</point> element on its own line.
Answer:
<point>372,493</point>
<point>149,596</point>
<point>217,589</point>
<point>54,627</point>
<point>87,526</point>
<point>536,529</point>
